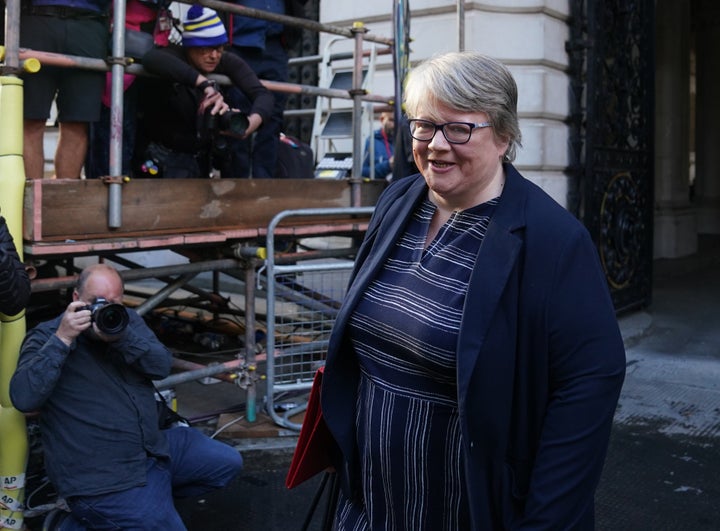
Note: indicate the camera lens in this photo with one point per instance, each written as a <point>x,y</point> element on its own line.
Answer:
<point>234,122</point>
<point>111,319</point>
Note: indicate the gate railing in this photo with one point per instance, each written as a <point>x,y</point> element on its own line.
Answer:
<point>303,298</point>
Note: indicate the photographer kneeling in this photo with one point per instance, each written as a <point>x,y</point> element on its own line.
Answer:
<point>89,372</point>
<point>184,120</point>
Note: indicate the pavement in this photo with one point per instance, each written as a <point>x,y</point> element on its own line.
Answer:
<point>664,459</point>
<point>663,464</point>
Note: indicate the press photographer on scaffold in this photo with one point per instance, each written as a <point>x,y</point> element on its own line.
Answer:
<point>184,118</point>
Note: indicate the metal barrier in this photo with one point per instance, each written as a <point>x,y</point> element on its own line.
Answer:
<point>303,299</point>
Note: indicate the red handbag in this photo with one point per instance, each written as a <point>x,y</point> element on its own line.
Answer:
<point>312,453</point>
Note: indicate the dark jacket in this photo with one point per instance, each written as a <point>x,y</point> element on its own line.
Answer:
<point>380,155</point>
<point>14,281</point>
<point>540,360</point>
<point>99,6</point>
<point>252,32</point>
<point>98,415</point>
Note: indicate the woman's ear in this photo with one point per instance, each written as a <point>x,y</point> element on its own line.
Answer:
<point>503,145</point>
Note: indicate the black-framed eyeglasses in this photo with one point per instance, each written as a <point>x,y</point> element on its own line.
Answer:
<point>206,50</point>
<point>454,132</point>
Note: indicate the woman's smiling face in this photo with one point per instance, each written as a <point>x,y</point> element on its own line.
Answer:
<point>460,175</point>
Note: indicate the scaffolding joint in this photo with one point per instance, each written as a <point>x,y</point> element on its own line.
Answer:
<point>123,61</point>
<point>116,179</point>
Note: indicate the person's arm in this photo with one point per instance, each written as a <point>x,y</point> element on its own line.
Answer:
<point>140,348</point>
<point>245,79</point>
<point>14,280</point>
<point>587,368</point>
<point>169,62</point>
<point>42,357</point>
<point>383,165</point>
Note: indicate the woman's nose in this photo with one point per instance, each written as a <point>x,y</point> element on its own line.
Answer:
<point>438,141</point>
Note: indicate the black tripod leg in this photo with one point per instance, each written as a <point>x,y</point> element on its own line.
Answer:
<point>332,502</point>
<point>316,500</point>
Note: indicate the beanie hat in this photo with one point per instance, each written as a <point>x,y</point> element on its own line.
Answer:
<point>202,27</point>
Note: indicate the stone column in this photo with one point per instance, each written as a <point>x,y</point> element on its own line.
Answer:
<point>675,221</point>
<point>707,132</point>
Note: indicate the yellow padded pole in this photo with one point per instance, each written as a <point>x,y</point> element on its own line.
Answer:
<point>13,433</point>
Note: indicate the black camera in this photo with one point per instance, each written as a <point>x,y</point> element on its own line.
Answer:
<point>230,123</point>
<point>110,318</point>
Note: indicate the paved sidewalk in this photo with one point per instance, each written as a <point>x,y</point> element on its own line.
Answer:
<point>664,459</point>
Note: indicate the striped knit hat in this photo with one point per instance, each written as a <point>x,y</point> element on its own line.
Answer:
<point>202,27</point>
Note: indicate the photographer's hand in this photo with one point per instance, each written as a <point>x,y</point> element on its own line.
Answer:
<point>74,322</point>
<point>107,338</point>
<point>213,100</point>
<point>254,122</point>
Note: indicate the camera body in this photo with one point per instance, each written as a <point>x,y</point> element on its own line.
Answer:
<point>110,318</point>
<point>210,127</point>
<point>230,122</point>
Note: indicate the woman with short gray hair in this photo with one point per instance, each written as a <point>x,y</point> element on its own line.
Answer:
<point>476,362</point>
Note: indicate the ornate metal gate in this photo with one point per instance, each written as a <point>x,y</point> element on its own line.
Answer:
<point>612,65</point>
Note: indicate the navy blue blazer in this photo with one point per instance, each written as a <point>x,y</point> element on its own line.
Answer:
<point>540,360</point>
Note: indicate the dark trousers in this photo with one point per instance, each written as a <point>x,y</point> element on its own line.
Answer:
<point>198,465</point>
<point>261,153</point>
<point>97,162</point>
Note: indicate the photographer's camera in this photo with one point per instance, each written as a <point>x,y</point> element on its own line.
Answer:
<point>230,123</point>
<point>110,318</point>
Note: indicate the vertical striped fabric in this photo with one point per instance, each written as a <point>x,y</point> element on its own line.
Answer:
<point>405,331</point>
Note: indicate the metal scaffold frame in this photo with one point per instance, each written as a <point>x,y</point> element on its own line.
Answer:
<point>236,251</point>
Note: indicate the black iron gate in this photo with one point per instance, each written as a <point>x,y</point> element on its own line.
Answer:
<point>612,66</point>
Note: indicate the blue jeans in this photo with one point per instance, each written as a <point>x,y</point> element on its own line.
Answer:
<point>198,464</point>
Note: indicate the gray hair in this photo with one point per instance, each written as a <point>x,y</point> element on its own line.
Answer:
<point>467,81</point>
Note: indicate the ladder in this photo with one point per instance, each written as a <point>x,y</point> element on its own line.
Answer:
<point>333,119</point>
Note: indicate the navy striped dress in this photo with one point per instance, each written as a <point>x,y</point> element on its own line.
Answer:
<point>404,332</point>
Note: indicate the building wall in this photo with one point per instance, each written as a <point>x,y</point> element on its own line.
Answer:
<point>528,36</point>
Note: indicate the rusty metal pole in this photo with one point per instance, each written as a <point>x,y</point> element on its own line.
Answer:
<point>117,70</point>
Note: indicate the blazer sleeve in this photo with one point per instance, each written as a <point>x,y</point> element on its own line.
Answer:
<point>586,372</point>
<point>14,280</point>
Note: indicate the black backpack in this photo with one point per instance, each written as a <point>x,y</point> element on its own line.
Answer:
<point>294,160</point>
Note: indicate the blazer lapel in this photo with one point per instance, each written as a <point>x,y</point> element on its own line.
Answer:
<point>496,260</point>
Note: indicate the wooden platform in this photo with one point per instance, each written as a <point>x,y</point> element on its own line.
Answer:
<point>236,426</point>
<point>71,216</point>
